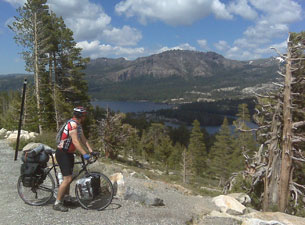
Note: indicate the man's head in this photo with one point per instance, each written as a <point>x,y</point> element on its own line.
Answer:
<point>79,112</point>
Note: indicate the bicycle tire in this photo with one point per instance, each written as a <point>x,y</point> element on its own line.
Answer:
<point>37,195</point>
<point>102,200</point>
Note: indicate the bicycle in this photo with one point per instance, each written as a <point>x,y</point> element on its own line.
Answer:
<point>41,191</point>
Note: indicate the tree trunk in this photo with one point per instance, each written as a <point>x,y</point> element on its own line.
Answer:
<point>36,73</point>
<point>54,90</point>
<point>271,180</point>
<point>287,134</point>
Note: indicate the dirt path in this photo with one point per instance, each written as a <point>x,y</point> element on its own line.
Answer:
<point>177,210</point>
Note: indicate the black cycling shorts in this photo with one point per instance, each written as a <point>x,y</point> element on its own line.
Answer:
<point>65,161</point>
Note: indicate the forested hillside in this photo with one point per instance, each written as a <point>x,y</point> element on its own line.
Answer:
<point>177,74</point>
<point>267,162</point>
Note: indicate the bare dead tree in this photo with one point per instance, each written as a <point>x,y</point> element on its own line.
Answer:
<point>281,120</point>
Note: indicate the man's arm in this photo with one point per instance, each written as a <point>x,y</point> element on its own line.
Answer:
<point>85,142</point>
<point>76,142</point>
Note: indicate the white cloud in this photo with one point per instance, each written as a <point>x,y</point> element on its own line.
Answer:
<point>243,9</point>
<point>185,46</point>
<point>279,11</point>
<point>124,37</point>
<point>88,21</point>
<point>203,44</point>
<point>174,12</point>
<point>95,49</point>
<point>222,45</point>
<point>271,23</point>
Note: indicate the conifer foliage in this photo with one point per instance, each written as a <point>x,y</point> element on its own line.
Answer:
<point>50,52</point>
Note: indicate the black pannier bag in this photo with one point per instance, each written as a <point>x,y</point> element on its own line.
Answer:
<point>95,184</point>
<point>89,187</point>
<point>32,169</point>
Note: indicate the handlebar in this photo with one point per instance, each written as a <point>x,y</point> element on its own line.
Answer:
<point>93,157</point>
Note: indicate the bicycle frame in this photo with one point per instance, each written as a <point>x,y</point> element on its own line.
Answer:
<point>54,165</point>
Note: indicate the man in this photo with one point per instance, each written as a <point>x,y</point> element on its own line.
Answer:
<point>72,139</point>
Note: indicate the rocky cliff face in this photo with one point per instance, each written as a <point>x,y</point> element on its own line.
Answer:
<point>181,63</point>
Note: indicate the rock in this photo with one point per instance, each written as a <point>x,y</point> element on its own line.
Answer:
<point>241,197</point>
<point>281,218</point>
<point>117,180</point>
<point>2,132</point>
<point>145,198</point>
<point>12,137</point>
<point>33,134</point>
<point>229,205</point>
<point>181,189</point>
<point>218,218</point>
<point>255,221</point>
<point>7,134</point>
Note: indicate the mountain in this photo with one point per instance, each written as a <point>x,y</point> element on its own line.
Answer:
<point>171,76</point>
<point>178,74</point>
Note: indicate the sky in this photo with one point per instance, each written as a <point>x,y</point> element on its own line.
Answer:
<point>236,29</point>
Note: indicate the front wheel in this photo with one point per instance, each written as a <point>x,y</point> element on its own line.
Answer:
<point>36,194</point>
<point>94,191</point>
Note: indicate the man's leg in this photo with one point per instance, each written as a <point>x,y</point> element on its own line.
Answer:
<point>64,186</point>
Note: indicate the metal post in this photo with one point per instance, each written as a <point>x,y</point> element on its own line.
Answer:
<point>20,119</point>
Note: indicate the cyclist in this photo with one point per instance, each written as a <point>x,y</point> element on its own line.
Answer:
<point>72,139</point>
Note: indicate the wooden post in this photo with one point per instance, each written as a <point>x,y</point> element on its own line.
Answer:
<point>20,119</point>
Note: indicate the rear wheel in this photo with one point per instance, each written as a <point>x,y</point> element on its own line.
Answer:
<point>37,194</point>
<point>97,199</point>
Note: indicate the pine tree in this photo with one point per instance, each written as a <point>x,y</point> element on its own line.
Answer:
<point>163,151</point>
<point>221,152</point>
<point>245,140</point>
<point>151,138</point>
<point>197,149</point>
<point>32,35</point>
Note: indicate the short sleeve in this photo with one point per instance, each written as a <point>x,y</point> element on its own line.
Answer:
<point>73,125</point>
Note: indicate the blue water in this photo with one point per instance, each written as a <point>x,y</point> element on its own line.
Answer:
<point>126,107</point>
<point>137,107</point>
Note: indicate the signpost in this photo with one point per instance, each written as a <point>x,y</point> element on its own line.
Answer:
<point>20,118</point>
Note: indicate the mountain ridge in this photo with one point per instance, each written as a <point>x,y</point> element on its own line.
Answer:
<point>206,73</point>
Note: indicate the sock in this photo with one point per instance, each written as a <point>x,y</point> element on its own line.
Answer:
<point>57,202</point>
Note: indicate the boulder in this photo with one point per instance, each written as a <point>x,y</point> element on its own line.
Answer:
<point>33,134</point>
<point>12,137</point>
<point>145,198</point>
<point>8,134</point>
<point>218,218</point>
<point>267,217</point>
<point>117,180</point>
<point>241,197</point>
<point>2,132</point>
<point>255,221</point>
<point>230,205</point>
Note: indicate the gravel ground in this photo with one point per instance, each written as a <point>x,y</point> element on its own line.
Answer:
<point>178,208</point>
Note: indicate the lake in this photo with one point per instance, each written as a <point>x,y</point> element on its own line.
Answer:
<point>138,107</point>
<point>127,107</point>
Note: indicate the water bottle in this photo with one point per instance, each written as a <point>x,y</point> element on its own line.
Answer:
<point>60,177</point>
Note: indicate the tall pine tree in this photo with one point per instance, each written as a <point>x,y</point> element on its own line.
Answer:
<point>197,149</point>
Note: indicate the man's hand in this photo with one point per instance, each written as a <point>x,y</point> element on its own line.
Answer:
<point>86,156</point>
<point>95,153</point>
